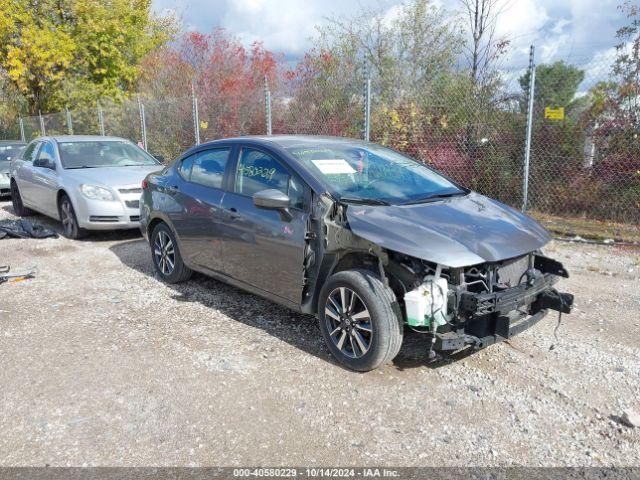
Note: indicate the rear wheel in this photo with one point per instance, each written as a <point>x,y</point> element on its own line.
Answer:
<point>70,227</point>
<point>166,256</point>
<point>16,200</point>
<point>360,320</point>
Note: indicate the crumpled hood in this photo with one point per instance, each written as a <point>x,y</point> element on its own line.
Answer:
<point>455,232</point>
<point>112,176</point>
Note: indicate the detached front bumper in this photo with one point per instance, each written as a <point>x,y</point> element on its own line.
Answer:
<point>493,317</point>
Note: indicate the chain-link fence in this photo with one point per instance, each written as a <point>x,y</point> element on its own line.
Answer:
<point>584,155</point>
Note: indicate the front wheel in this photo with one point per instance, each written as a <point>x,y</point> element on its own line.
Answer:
<point>70,227</point>
<point>360,320</point>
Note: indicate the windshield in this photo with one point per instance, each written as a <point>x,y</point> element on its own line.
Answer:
<point>9,151</point>
<point>373,174</point>
<point>103,154</point>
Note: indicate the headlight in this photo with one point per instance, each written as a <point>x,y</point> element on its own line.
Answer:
<point>4,177</point>
<point>94,192</point>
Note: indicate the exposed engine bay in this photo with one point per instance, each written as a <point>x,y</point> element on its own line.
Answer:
<point>455,306</point>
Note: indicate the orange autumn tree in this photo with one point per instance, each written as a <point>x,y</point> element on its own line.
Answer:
<point>228,80</point>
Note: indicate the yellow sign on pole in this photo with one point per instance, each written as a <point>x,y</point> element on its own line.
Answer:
<point>554,113</point>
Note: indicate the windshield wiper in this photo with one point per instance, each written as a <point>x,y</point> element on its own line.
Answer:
<point>436,196</point>
<point>364,201</point>
<point>81,166</point>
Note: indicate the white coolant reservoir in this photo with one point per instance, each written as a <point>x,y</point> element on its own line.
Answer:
<point>427,303</point>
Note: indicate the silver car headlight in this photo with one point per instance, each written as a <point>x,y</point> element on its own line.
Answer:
<point>4,177</point>
<point>93,192</point>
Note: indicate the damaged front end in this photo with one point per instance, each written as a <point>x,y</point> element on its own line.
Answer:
<point>457,305</point>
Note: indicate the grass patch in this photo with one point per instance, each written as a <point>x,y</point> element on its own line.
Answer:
<point>589,229</point>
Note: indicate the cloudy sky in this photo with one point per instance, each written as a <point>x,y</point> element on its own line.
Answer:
<point>579,31</point>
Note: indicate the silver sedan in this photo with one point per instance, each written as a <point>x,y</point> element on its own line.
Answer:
<point>86,182</point>
<point>8,150</point>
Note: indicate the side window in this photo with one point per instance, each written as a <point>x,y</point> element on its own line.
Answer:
<point>260,171</point>
<point>209,166</point>
<point>185,167</point>
<point>30,152</point>
<point>47,152</point>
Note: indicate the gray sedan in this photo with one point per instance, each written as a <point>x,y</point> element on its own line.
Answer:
<point>367,239</point>
<point>87,182</point>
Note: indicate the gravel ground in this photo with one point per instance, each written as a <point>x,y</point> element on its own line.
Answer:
<point>102,364</point>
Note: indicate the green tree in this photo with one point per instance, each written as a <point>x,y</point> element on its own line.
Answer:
<point>72,52</point>
<point>556,85</point>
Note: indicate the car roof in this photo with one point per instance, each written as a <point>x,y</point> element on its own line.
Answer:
<point>82,138</point>
<point>12,142</point>
<point>288,141</point>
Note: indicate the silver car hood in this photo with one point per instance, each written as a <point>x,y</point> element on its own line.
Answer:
<point>455,232</point>
<point>111,176</point>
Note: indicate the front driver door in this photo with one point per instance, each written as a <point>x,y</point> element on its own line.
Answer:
<point>262,247</point>
<point>45,180</point>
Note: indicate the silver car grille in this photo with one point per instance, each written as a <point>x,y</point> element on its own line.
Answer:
<point>130,190</point>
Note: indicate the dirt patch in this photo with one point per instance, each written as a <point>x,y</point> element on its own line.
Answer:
<point>102,364</point>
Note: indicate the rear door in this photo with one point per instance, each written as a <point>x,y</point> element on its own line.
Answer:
<point>262,247</point>
<point>22,172</point>
<point>193,200</point>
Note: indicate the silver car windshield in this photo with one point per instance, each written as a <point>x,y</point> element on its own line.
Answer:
<point>373,174</point>
<point>99,154</point>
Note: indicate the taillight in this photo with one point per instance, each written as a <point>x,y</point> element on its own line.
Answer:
<point>145,184</point>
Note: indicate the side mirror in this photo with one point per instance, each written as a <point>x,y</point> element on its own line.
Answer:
<point>160,158</point>
<point>44,163</point>
<point>271,199</point>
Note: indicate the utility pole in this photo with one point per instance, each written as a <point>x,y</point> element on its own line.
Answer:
<point>143,124</point>
<point>367,109</point>
<point>527,150</point>
<point>196,116</point>
<point>101,119</point>
<point>22,136</point>
<point>69,121</point>
<point>267,105</point>
<point>42,130</point>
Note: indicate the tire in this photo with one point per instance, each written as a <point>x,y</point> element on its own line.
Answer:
<point>70,227</point>
<point>16,200</point>
<point>373,302</point>
<point>166,256</point>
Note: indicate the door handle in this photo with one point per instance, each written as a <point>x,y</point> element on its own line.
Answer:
<point>233,214</point>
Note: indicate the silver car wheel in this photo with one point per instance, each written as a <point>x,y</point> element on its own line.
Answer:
<point>164,253</point>
<point>348,322</point>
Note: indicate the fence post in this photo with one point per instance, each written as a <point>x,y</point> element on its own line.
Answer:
<point>143,123</point>
<point>527,150</point>
<point>42,130</point>
<point>367,109</point>
<point>69,121</point>
<point>22,136</point>
<point>196,116</point>
<point>100,119</point>
<point>267,105</point>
